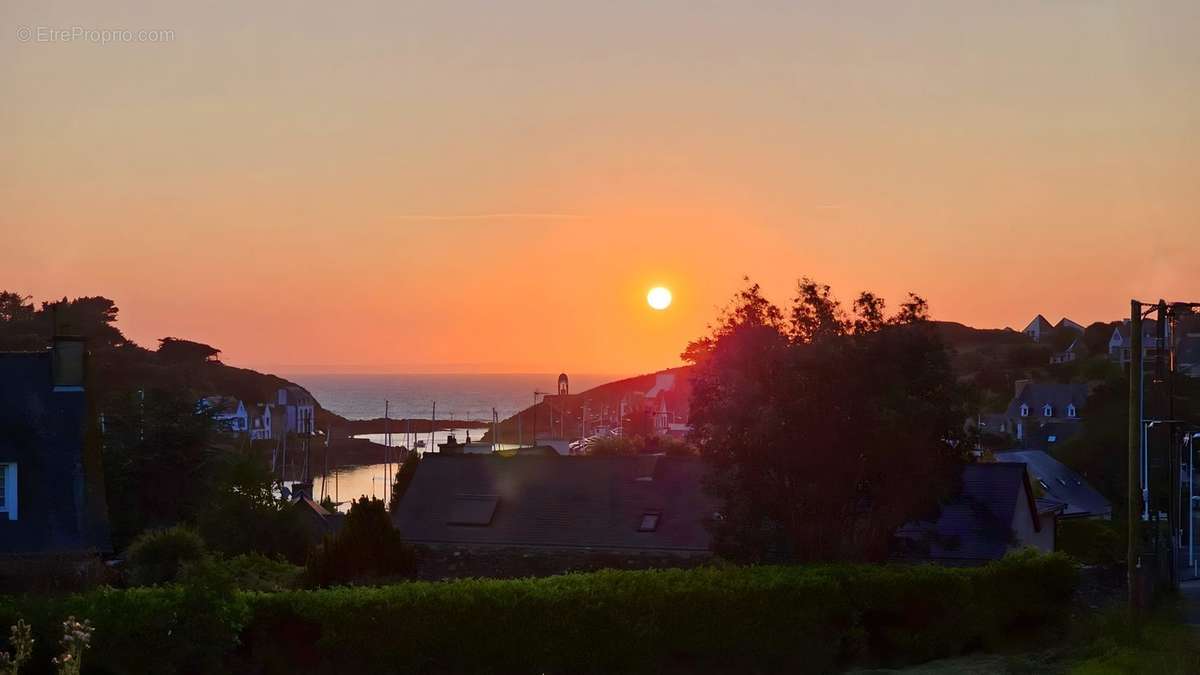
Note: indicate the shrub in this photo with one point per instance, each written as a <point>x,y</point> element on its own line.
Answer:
<point>255,572</point>
<point>368,547</point>
<point>1092,541</point>
<point>157,556</point>
<point>718,618</point>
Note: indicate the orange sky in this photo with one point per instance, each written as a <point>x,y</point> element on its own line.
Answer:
<point>494,186</point>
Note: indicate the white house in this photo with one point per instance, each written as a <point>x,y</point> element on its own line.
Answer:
<point>228,412</point>
<point>299,408</point>
<point>262,423</point>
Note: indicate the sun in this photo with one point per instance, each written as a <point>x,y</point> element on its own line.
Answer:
<point>659,298</point>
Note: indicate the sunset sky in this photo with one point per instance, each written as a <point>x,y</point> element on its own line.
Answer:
<point>494,186</point>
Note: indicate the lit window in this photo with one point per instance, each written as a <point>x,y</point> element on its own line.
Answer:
<point>1047,410</point>
<point>1071,410</point>
<point>8,490</point>
<point>649,522</point>
<point>1024,410</point>
<point>1052,438</point>
<point>1043,484</point>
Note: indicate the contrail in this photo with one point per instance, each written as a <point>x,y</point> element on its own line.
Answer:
<point>493,216</point>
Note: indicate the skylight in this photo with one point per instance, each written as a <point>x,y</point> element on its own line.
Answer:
<point>649,522</point>
<point>474,510</point>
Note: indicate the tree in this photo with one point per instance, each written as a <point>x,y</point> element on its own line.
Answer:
<point>161,461</point>
<point>404,477</point>
<point>367,547</point>
<point>827,435</point>
<point>179,351</point>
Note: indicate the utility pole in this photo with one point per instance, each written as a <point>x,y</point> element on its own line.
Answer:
<point>1132,559</point>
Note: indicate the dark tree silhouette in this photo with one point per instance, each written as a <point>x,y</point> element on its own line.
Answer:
<point>827,434</point>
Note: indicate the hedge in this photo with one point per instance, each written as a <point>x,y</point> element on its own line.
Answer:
<point>719,619</point>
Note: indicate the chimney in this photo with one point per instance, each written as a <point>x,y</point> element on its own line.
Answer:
<point>1019,385</point>
<point>67,356</point>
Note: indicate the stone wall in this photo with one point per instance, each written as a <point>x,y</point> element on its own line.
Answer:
<point>456,562</point>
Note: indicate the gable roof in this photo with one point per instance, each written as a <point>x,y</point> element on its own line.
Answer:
<point>977,525</point>
<point>1061,484</point>
<point>1067,323</point>
<point>1038,394</point>
<point>558,502</point>
<point>1039,324</point>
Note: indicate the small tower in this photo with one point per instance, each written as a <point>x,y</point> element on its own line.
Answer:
<point>562,384</point>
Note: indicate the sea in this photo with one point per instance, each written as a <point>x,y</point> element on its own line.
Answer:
<point>458,397</point>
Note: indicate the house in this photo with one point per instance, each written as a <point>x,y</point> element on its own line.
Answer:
<point>260,421</point>
<point>299,409</point>
<point>1060,484</point>
<point>52,500</point>
<point>1121,342</point>
<point>1068,355</point>
<point>996,512</point>
<point>1042,414</point>
<point>558,509</point>
<point>1187,354</point>
<point>228,412</point>
<point>1067,324</point>
<point>1038,328</point>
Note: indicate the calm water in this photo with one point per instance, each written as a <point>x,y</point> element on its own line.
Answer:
<point>458,397</point>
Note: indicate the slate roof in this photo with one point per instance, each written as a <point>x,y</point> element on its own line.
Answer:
<point>43,430</point>
<point>976,525</point>
<point>560,502</point>
<point>1149,331</point>
<point>1061,484</point>
<point>1038,394</point>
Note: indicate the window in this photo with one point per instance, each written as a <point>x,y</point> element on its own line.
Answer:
<point>1043,484</point>
<point>649,522</point>
<point>1024,410</point>
<point>1071,410</point>
<point>8,490</point>
<point>1047,410</point>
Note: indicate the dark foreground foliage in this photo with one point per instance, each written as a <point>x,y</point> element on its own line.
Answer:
<point>714,619</point>
<point>368,547</point>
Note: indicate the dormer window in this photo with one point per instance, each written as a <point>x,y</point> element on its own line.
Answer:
<point>1024,410</point>
<point>1047,410</point>
<point>1071,410</point>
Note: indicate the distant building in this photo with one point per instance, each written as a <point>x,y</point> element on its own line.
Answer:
<point>52,499</point>
<point>1038,328</point>
<point>1043,414</point>
<point>1120,345</point>
<point>995,513</point>
<point>261,422</point>
<point>650,505</point>
<point>1060,484</point>
<point>1188,347</point>
<point>1067,355</point>
<point>299,409</point>
<point>1067,324</point>
<point>228,412</point>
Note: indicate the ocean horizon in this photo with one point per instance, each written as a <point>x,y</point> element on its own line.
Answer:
<point>459,396</point>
